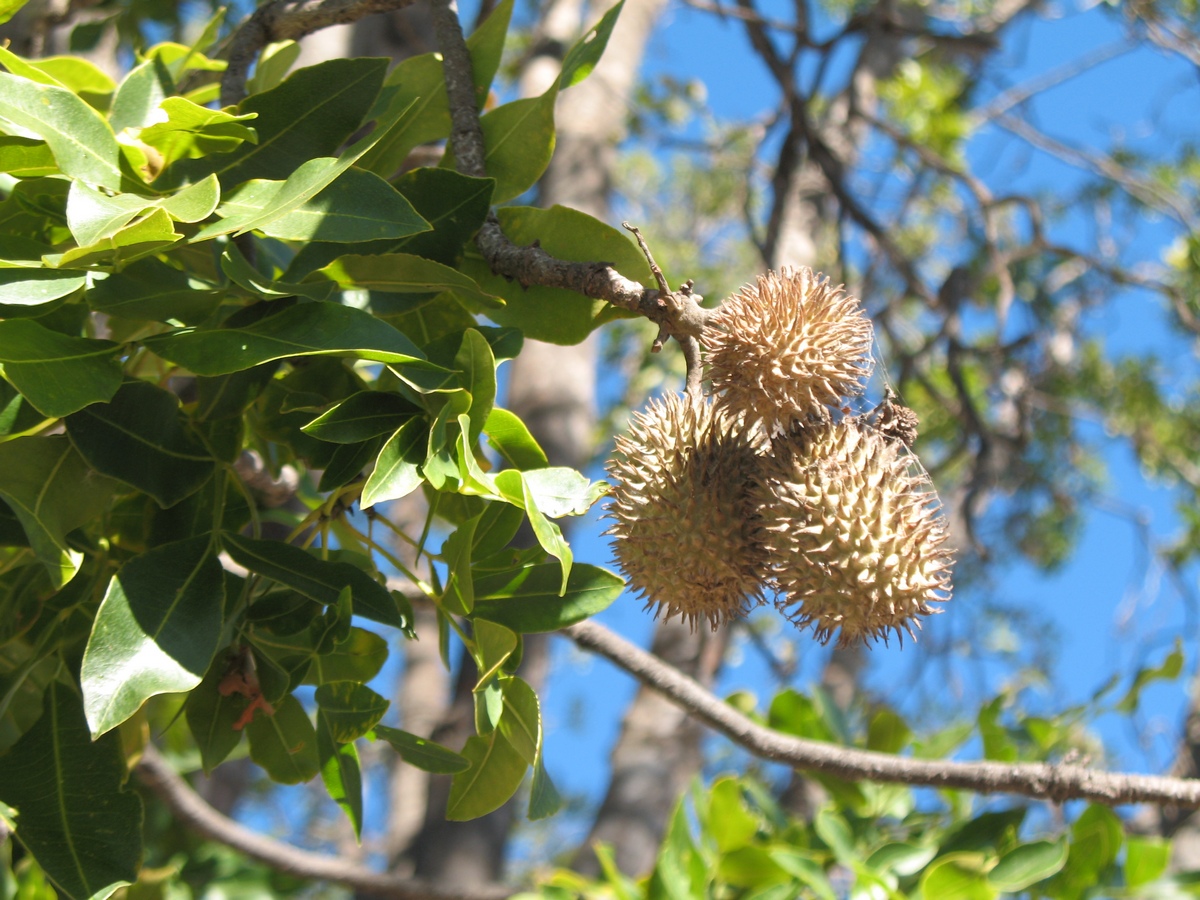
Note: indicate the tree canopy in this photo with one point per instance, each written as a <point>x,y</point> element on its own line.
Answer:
<point>253,447</point>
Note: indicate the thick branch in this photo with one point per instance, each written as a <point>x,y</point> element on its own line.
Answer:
<point>533,265</point>
<point>1039,780</point>
<point>187,806</point>
<point>289,20</point>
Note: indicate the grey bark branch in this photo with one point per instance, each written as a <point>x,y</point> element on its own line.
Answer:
<point>1042,781</point>
<point>190,810</point>
<point>532,265</point>
<point>283,20</point>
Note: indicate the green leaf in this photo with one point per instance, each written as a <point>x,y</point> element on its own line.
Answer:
<point>1146,860</point>
<point>212,717</point>
<point>52,492</point>
<point>357,206</point>
<point>528,600</point>
<point>403,273</point>
<point>478,367</point>
<point>956,876</point>
<point>9,8</point>
<point>350,709</point>
<point>581,59</point>
<point>561,491</point>
<point>416,84</point>
<point>498,524</point>
<point>272,67</point>
<point>32,287</point>
<point>512,440</point>
<point>1027,864</point>
<point>26,157</point>
<point>422,753</point>
<point>341,773</point>
<point>306,117</point>
<point>397,470</point>
<point>57,373</point>
<point>459,594</point>
<point>362,416</point>
<point>519,137</point>
<point>550,314</point>
<point>140,438</point>
<point>306,329</point>
<point>901,858</point>
<point>193,131</point>
<point>244,275</point>
<point>496,771</point>
<point>1168,670</point>
<point>835,832</point>
<point>150,289</point>
<point>516,490</point>
<point>80,139</point>
<point>156,631</point>
<point>74,815</point>
<point>318,579</point>
<point>285,744</point>
<point>494,645</point>
<point>729,819</point>
<point>147,235</point>
<point>138,96</point>
<point>888,733</point>
<point>358,658</point>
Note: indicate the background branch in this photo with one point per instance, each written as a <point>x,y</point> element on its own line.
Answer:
<point>187,806</point>
<point>1039,780</point>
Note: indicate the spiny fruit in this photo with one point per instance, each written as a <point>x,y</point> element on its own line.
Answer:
<point>857,540</point>
<point>687,536</point>
<point>784,349</point>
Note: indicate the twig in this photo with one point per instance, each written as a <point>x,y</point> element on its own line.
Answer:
<point>284,20</point>
<point>533,265</point>
<point>188,807</point>
<point>1042,781</point>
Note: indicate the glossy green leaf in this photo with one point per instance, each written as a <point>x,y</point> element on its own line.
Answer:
<point>192,131</point>
<point>561,491</point>
<point>496,771</point>
<point>26,157</point>
<point>139,239</point>
<point>498,524</point>
<point>901,858</point>
<point>361,416</point>
<point>80,139</point>
<point>9,8</point>
<point>32,287</point>
<point>519,137</point>
<point>544,798</point>
<point>581,59</point>
<point>521,722</point>
<point>458,597</point>
<point>246,276</point>
<point>322,580</point>
<point>422,753</point>
<point>273,64</point>
<point>1027,864</point>
<point>528,600</point>
<point>139,94</point>
<point>308,116</point>
<point>729,820</point>
<point>357,206</point>
<point>213,716</point>
<point>76,74</point>
<point>397,470</point>
<point>887,733</point>
<point>350,709</point>
<point>285,744</point>
<point>513,487</point>
<point>140,438</point>
<point>341,772</point>
<point>150,289</point>
<point>57,373</point>
<point>512,440</point>
<point>550,314</point>
<point>417,84</point>
<point>306,329</point>
<point>74,813</point>
<point>956,876</point>
<point>403,273</point>
<point>24,676</point>
<point>156,630</point>
<point>494,646</point>
<point>51,491</point>
<point>1146,860</point>
<point>477,366</point>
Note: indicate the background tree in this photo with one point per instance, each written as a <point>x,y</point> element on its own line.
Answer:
<point>245,228</point>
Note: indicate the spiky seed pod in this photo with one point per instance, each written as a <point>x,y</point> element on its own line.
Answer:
<point>857,539</point>
<point>784,349</point>
<point>684,521</point>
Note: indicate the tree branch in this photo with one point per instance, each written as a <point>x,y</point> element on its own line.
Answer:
<point>284,20</point>
<point>1042,781</point>
<point>187,806</point>
<point>681,315</point>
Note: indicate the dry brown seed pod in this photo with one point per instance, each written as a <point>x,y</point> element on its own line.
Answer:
<point>684,523</point>
<point>857,539</point>
<point>786,348</point>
